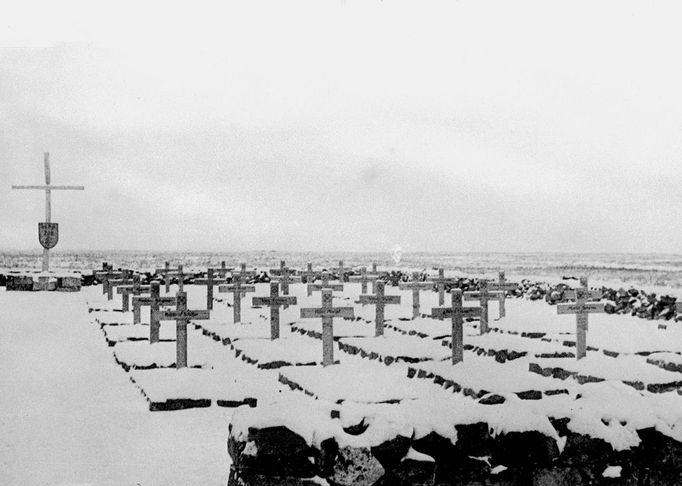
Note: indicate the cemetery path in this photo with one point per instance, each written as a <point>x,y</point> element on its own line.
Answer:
<point>70,415</point>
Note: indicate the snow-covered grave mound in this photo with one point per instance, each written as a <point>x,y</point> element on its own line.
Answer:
<point>426,327</point>
<point>229,332</point>
<point>112,318</point>
<point>354,381</point>
<point>226,386</point>
<point>138,332</point>
<point>395,347</point>
<point>290,350</point>
<point>201,352</point>
<point>629,369</point>
<point>342,328</point>
<point>478,376</point>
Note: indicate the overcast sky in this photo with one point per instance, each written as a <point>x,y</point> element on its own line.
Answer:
<point>342,125</point>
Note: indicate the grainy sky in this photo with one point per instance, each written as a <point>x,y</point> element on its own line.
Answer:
<point>345,125</point>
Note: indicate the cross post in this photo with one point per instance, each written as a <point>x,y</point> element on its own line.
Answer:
<point>456,311</point>
<point>274,302</point>
<point>342,272</point>
<point>483,296</point>
<point>154,301</point>
<point>309,278</point>
<point>363,278</point>
<point>380,300</point>
<point>582,309</point>
<point>181,315</point>
<point>126,279</point>
<point>327,312</point>
<point>210,281</point>
<point>415,286</point>
<point>134,289</point>
<point>324,285</point>
<point>502,286</point>
<point>440,282</point>
<point>237,290</point>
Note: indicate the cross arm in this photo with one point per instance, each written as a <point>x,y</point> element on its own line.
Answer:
<point>415,285</point>
<point>176,315</point>
<point>443,312</point>
<point>317,312</point>
<point>586,308</point>
<point>273,301</point>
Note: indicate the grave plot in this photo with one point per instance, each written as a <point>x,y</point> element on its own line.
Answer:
<point>139,332</point>
<point>428,328</point>
<point>394,347</point>
<point>630,370</point>
<point>225,386</point>
<point>354,381</point>
<point>293,350</point>
<point>226,333</point>
<point>505,347</point>
<point>478,376</point>
<point>342,328</point>
<point>142,355</point>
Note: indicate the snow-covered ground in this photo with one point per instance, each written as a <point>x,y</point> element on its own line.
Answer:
<point>69,414</point>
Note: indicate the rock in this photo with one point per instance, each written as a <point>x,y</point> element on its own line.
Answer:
<point>272,451</point>
<point>414,469</point>
<point>525,448</point>
<point>391,452</point>
<point>557,476</point>
<point>492,399</point>
<point>355,466</point>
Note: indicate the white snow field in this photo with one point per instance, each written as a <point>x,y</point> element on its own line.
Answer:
<point>69,415</point>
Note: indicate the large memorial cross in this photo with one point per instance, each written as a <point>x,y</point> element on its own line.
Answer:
<point>440,282</point>
<point>502,286</point>
<point>457,312</point>
<point>327,312</point>
<point>275,301</point>
<point>379,300</point>
<point>48,232</point>
<point>582,308</point>
<point>415,286</point>
<point>483,296</point>
<point>154,301</point>
<point>182,315</point>
<point>237,290</point>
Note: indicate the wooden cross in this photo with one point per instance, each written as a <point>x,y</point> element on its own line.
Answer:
<point>457,312</point>
<point>134,289</point>
<point>374,273</point>
<point>440,282</point>
<point>380,300</point>
<point>126,279</point>
<point>209,282</point>
<point>415,286</point>
<point>324,285</point>
<point>327,312</point>
<point>105,276</point>
<point>181,315</point>
<point>309,278</point>
<point>237,290</point>
<point>363,279</point>
<point>169,272</point>
<point>286,276</point>
<point>342,272</point>
<point>154,301</point>
<point>593,294</point>
<point>483,296</point>
<point>275,301</point>
<point>222,270</point>
<point>502,286</point>
<point>48,188</point>
<point>582,309</point>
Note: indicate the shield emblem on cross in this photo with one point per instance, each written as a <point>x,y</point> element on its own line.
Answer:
<point>48,234</point>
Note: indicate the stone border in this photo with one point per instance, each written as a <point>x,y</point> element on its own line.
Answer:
<point>562,374</point>
<point>446,383</point>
